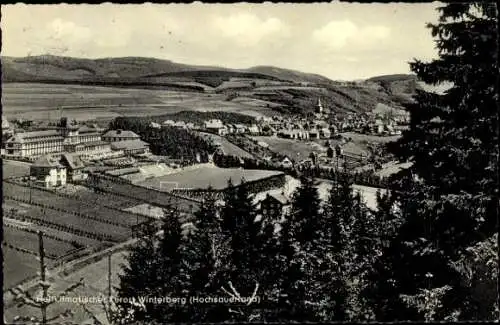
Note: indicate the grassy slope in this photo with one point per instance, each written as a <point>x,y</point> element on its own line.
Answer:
<point>392,90</point>
<point>48,67</point>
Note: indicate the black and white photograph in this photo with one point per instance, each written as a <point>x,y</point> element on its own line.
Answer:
<point>328,162</point>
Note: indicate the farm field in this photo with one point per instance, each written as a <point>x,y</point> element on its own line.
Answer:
<point>86,194</point>
<point>203,177</point>
<point>95,280</point>
<point>65,236</point>
<point>40,215</point>
<point>295,149</point>
<point>17,266</point>
<point>28,240</point>
<point>12,168</point>
<point>148,210</point>
<point>41,101</point>
<point>91,206</point>
<point>152,196</point>
<point>227,147</point>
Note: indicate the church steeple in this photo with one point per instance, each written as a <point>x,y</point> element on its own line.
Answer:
<point>319,108</point>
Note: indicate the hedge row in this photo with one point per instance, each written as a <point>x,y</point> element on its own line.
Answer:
<point>143,195</point>
<point>51,236</point>
<point>69,229</point>
<point>82,215</point>
<point>23,250</point>
<point>77,214</point>
<point>69,196</point>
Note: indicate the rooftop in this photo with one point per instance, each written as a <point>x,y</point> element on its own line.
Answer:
<point>129,145</point>
<point>74,161</point>
<point>35,136</point>
<point>86,129</point>
<point>280,198</point>
<point>121,134</point>
<point>47,161</point>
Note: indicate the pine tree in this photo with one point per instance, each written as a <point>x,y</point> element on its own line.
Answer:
<point>139,276</point>
<point>172,278</point>
<point>291,278</point>
<point>244,272</point>
<point>452,202</point>
<point>305,212</point>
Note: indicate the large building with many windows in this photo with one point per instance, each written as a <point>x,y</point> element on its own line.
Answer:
<point>66,137</point>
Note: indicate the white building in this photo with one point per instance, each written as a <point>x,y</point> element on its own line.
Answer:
<point>286,163</point>
<point>48,171</point>
<point>119,135</point>
<point>215,126</point>
<point>65,137</point>
<point>254,129</point>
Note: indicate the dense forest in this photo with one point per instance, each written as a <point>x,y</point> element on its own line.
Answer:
<point>200,117</point>
<point>167,141</point>
<point>428,253</point>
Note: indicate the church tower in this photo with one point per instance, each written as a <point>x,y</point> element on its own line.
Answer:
<point>319,108</point>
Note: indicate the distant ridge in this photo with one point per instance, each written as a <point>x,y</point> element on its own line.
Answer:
<point>266,87</point>
<point>53,68</point>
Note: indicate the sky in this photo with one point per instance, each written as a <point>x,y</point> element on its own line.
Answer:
<point>342,41</point>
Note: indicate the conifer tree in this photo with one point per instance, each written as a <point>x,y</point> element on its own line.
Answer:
<point>291,279</point>
<point>451,198</point>
<point>139,276</point>
<point>305,212</point>
<point>339,214</point>
<point>244,273</point>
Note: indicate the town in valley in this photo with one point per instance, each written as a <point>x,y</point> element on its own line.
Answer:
<point>248,184</point>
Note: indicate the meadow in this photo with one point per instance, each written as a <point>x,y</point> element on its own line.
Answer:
<point>14,168</point>
<point>203,177</point>
<point>39,101</point>
<point>17,266</point>
<point>294,149</point>
<point>96,284</point>
<point>93,205</point>
<point>227,147</point>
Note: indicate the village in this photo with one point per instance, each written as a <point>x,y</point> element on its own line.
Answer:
<point>72,144</point>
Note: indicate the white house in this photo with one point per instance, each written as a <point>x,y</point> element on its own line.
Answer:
<point>325,133</point>
<point>48,171</point>
<point>240,128</point>
<point>286,163</point>
<point>215,126</point>
<point>254,129</point>
<point>169,123</point>
<point>314,134</point>
<point>180,124</point>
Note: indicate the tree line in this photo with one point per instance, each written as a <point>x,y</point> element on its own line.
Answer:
<point>174,142</point>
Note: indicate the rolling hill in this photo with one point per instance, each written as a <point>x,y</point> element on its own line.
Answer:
<point>265,87</point>
<point>53,68</point>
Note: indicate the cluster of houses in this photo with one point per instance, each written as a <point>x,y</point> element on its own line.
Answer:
<point>215,126</point>
<point>383,120</point>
